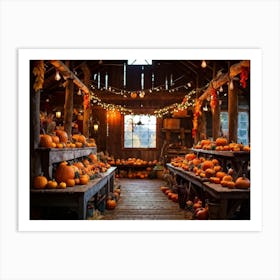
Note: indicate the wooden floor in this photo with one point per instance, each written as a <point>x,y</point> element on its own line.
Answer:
<point>143,200</point>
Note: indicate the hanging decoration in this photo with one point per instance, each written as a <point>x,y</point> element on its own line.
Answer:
<point>39,72</point>
<point>196,113</point>
<point>213,101</point>
<point>86,101</point>
<point>244,76</point>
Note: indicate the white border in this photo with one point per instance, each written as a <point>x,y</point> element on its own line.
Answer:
<point>254,55</point>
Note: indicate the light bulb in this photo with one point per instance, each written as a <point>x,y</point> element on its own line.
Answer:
<point>221,89</point>
<point>231,85</point>
<point>203,64</point>
<point>57,76</point>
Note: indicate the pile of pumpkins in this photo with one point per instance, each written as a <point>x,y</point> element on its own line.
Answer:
<point>199,212</point>
<point>69,175</point>
<point>210,170</point>
<point>60,140</point>
<point>113,198</point>
<point>170,193</point>
<point>221,144</point>
<point>132,161</point>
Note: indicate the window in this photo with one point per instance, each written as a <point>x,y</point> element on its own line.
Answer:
<point>243,126</point>
<point>139,131</point>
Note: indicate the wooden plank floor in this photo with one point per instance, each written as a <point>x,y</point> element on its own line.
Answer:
<point>143,200</point>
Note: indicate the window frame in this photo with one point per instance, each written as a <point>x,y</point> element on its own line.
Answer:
<point>142,149</point>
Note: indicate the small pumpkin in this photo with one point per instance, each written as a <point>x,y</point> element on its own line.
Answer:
<point>70,182</point>
<point>55,139</point>
<point>62,185</point>
<point>242,183</point>
<point>111,204</point>
<point>196,162</point>
<point>40,182</point>
<point>217,168</point>
<point>227,178</point>
<point>52,184</point>
<point>84,179</point>
<point>190,156</point>
<point>210,172</point>
<point>215,180</point>
<point>220,174</point>
<point>230,185</point>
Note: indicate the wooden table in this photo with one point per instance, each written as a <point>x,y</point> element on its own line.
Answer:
<point>49,156</point>
<point>75,197</point>
<point>228,199</point>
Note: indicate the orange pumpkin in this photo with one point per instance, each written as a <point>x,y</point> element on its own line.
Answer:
<point>242,183</point>
<point>79,145</point>
<point>77,181</point>
<point>227,178</point>
<point>111,204</point>
<point>210,172</point>
<point>215,180</point>
<point>207,164</point>
<point>246,148</point>
<point>62,185</point>
<point>217,168</point>
<point>230,185</point>
<point>196,161</point>
<point>70,182</point>
<point>220,174</point>
<point>40,182</point>
<point>62,135</point>
<point>52,184</point>
<point>64,172</point>
<point>46,141</point>
<point>55,139</point>
<point>84,179</point>
<point>215,161</point>
<point>205,142</point>
<point>221,141</point>
<point>190,156</point>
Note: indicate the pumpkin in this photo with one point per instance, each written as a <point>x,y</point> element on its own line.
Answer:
<point>170,194</point>
<point>40,182</point>
<point>230,185</point>
<point>190,156</point>
<point>111,204</point>
<point>221,141</point>
<point>62,135</point>
<point>174,197</point>
<point>196,161</point>
<point>224,183</point>
<point>217,168</point>
<point>64,172</point>
<point>205,142</point>
<point>210,172</point>
<point>215,161</point>
<point>52,184</point>
<point>116,195</point>
<point>242,183</point>
<point>55,139</point>
<point>201,213</point>
<point>46,141</point>
<point>59,145</point>
<point>84,179</point>
<point>79,144</point>
<point>53,145</point>
<point>207,164</point>
<point>220,174</point>
<point>70,182</point>
<point>246,148</point>
<point>215,180</point>
<point>62,185</point>
<point>77,181</point>
<point>197,204</point>
<point>117,190</point>
<point>227,178</point>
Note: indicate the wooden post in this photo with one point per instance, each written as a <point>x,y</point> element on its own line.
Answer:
<point>216,121</point>
<point>87,113</point>
<point>232,113</point>
<point>68,107</point>
<point>37,82</point>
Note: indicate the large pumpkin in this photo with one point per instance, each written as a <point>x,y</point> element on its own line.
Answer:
<point>64,172</point>
<point>190,156</point>
<point>221,141</point>
<point>207,164</point>
<point>46,141</point>
<point>63,137</point>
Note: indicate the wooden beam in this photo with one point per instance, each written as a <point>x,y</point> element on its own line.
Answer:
<point>216,83</point>
<point>68,74</point>
<point>68,107</point>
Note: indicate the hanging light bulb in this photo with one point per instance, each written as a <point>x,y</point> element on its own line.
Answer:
<point>79,92</point>
<point>57,76</point>
<point>231,85</point>
<point>189,84</point>
<point>203,64</point>
<point>142,94</point>
<point>221,89</point>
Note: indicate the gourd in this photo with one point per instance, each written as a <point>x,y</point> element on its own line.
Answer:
<point>40,182</point>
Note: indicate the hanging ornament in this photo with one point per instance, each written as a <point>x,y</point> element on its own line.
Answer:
<point>197,112</point>
<point>133,95</point>
<point>213,100</point>
<point>86,101</point>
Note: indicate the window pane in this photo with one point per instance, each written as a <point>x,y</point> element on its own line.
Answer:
<point>139,131</point>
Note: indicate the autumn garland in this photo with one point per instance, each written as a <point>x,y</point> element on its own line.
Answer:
<point>244,76</point>
<point>214,99</point>
<point>197,112</point>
